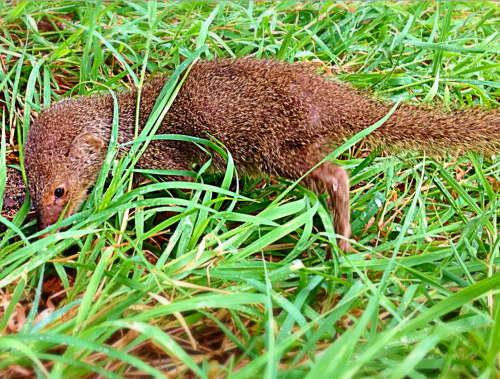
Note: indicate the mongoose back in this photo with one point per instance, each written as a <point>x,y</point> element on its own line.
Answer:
<point>276,119</point>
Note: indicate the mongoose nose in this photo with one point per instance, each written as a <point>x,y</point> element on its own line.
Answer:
<point>44,220</point>
<point>41,226</point>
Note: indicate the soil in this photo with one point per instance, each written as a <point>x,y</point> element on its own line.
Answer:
<point>14,196</point>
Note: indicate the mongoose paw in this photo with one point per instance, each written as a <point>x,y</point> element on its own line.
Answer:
<point>344,245</point>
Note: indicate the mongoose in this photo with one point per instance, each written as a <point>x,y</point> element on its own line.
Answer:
<point>276,119</point>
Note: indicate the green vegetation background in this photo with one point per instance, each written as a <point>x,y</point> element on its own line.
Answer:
<point>234,284</point>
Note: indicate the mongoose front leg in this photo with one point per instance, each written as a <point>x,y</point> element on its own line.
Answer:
<point>166,155</point>
<point>168,158</point>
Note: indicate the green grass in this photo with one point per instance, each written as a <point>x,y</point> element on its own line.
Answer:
<point>234,284</point>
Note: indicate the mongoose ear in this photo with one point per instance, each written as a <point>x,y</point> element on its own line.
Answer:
<point>86,144</point>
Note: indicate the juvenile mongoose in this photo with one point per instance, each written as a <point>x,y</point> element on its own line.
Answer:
<point>275,118</point>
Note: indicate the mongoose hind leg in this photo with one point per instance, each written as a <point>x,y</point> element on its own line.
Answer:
<point>335,181</point>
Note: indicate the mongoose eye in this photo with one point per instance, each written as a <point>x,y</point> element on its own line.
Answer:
<point>59,192</point>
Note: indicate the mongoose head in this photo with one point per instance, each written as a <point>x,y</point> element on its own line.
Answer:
<point>63,155</point>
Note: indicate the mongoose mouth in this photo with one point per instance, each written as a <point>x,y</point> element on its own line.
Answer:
<point>46,220</point>
<point>48,234</point>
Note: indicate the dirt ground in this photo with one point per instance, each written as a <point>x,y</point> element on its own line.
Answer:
<point>14,196</point>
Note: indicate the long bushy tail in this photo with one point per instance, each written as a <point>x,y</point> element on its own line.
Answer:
<point>421,128</point>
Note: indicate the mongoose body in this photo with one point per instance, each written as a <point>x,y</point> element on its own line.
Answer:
<point>276,119</point>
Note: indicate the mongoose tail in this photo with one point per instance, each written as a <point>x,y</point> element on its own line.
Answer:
<point>419,128</point>
<point>275,119</point>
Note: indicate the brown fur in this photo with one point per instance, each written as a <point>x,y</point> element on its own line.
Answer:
<point>276,119</point>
